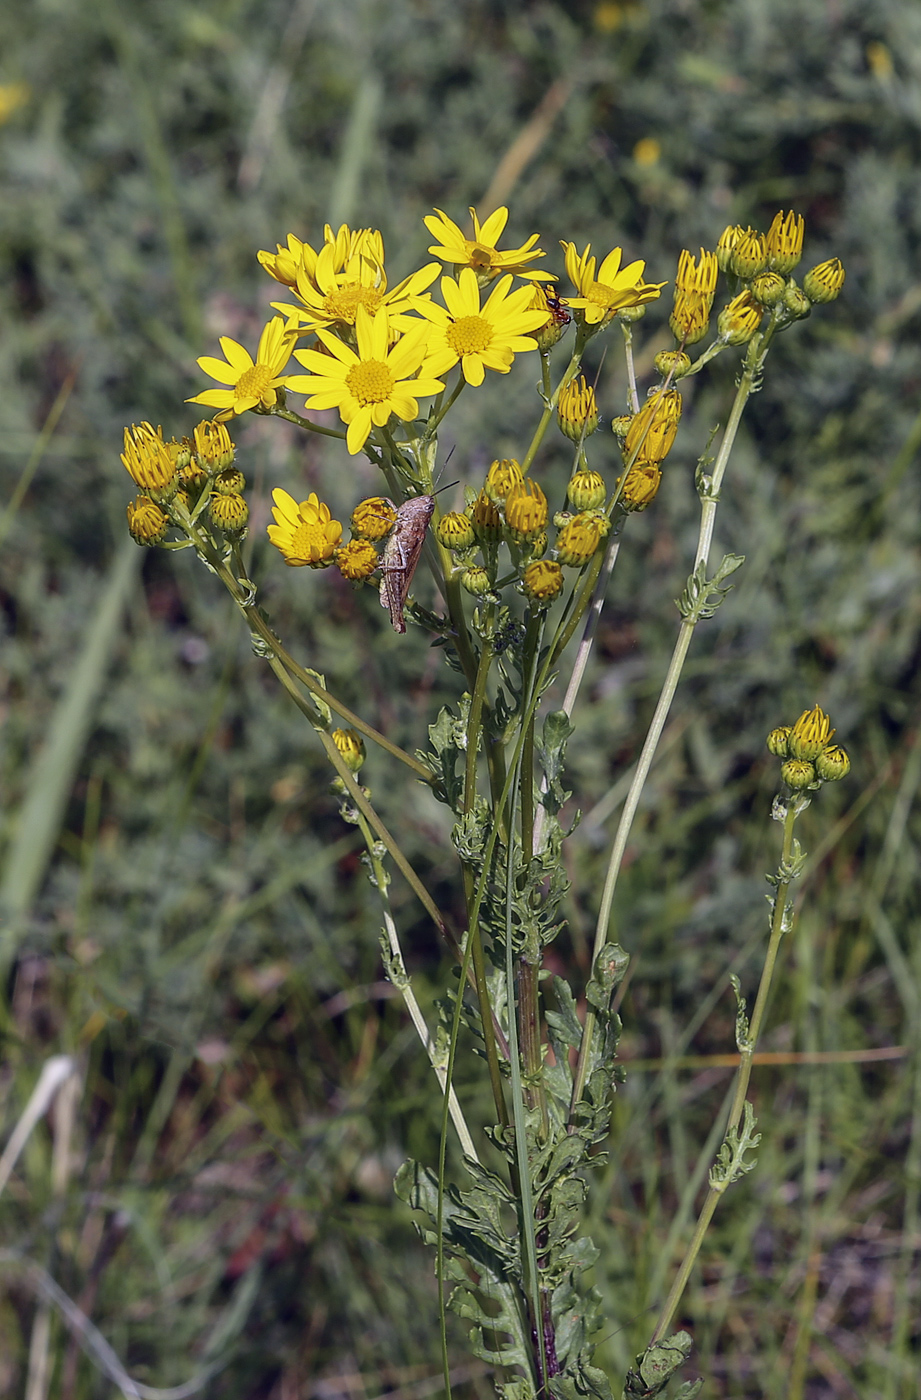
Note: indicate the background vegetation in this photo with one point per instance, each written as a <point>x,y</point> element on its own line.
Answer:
<point>185,909</point>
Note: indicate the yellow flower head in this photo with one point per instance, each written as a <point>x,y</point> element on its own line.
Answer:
<point>784,242</point>
<point>480,252</point>
<point>501,477</point>
<point>357,559</point>
<point>455,530</point>
<point>579,538</point>
<point>229,512</point>
<point>305,533</point>
<point>601,298</point>
<point>727,243</point>
<point>149,462</point>
<point>526,510</point>
<point>147,523</point>
<point>254,383</point>
<point>811,733</point>
<point>213,447</point>
<point>697,277</point>
<point>351,746</point>
<point>371,384</point>
<point>284,263</point>
<point>480,338</point>
<point>577,410</point>
<point>641,486</point>
<point>832,764</point>
<point>373,519</point>
<point>348,272</point>
<point>542,580</point>
<point>586,490</point>
<point>798,774</point>
<point>749,256</point>
<point>823,283</point>
<point>12,96</point>
<point>652,430</point>
<point>487,522</point>
<point>738,321</point>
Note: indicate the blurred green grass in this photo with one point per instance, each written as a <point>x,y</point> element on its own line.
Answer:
<point>195,921</point>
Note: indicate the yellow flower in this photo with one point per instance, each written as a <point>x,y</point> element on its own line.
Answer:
<point>641,486</point>
<point>253,382</point>
<point>579,538</point>
<point>577,410</point>
<point>647,151</point>
<point>811,733</point>
<point>149,462</point>
<point>455,531</point>
<point>476,580</point>
<point>728,241</point>
<point>284,263</point>
<point>738,321</point>
<point>797,773</point>
<point>526,510</point>
<point>615,287</point>
<point>694,277</point>
<point>487,522</point>
<point>348,272</point>
<point>543,580</point>
<point>357,559</point>
<point>652,430</point>
<point>586,490</point>
<point>147,523</point>
<point>749,256</point>
<point>373,519</point>
<point>371,385</point>
<point>480,252</point>
<point>501,477</point>
<point>694,288</point>
<point>784,242</point>
<point>832,764</point>
<point>228,512</point>
<point>213,447</point>
<point>351,746</point>
<point>303,533</point>
<point>12,96</point>
<point>480,338</point>
<point>823,283</point>
<point>778,741</point>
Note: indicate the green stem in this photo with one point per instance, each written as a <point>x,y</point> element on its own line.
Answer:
<point>277,411</point>
<point>746,1055</point>
<point>572,369</point>
<point>753,363</point>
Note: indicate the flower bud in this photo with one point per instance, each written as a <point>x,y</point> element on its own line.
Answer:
<point>501,477</point>
<point>631,314</point>
<point>525,510</point>
<point>229,513</point>
<point>749,256</point>
<point>212,446</point>
<point>796,303</point>
<point>147,524</point>
<point>738,322</point>
<point>542,581</point>
<point>768,288</point>
<point>351,747</point>
<point>784,243</point>
<point>578,539</point>
<point>640,486</point>
<point>797,773</point>
<point>672,363</point>
<point>778,741</point>
<point>811,733</point>
<point>486,520</point>
<point>476,580</point>
<point>558,318</point>
<point>832,764</point>
<point>586,490</point>
<point>455,531</point>
<point>620,425</point>
<point>577,410</point>
<point>824,282</point>
<point>149,463</point>
<point>229,482</point>
<point>725,248</point>
<point>652,431</point>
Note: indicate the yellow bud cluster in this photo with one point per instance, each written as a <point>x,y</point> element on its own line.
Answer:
<point>810,758</point>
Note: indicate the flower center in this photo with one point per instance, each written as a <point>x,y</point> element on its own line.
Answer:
<point>370,381</point>
<point>310,542</point>
<point>600,294</point>
<point>470,335</point>
<point>343,303</point>
<point>254,384</point>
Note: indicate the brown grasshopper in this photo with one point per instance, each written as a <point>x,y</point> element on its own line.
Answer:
<point>401,554</point>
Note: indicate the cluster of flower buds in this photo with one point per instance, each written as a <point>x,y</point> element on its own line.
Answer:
<point>646,440</point>
<point>763,264</point>
<point>810,758</point>
<point>181,479</point>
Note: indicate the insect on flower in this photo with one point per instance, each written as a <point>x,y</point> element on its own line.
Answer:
<point>401,554</point>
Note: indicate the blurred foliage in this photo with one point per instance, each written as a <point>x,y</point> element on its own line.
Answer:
<point>203,938</point>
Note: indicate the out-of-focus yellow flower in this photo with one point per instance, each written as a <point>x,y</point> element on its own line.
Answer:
<point>149,462</point>
<point>542,580</point>
<point>652,430</point>
<point>641,486</point>
<point>784,242</point>
<point>351,746</point>
<point>479,338</point>
<point>586,490</point>
<point>480,252</point>
<point>305,532</point>
<point>370,385</point>
<point>147,524</point>
<point>577,410</point>
<point>254,383</point>
<point>824,282</point>
<point>455,531</point>
<point>811,733</point>
<point>12,97</point>
<point>579,538</point>
<point>737,322</point>
<point>647,151</point>
<point>373,519</point>
<point>526,510</point>
<point>357,559</point>
<point>879,58</point>
<point>615,287</point>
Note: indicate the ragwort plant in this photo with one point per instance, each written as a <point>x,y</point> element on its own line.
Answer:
<point>510,1254</point>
